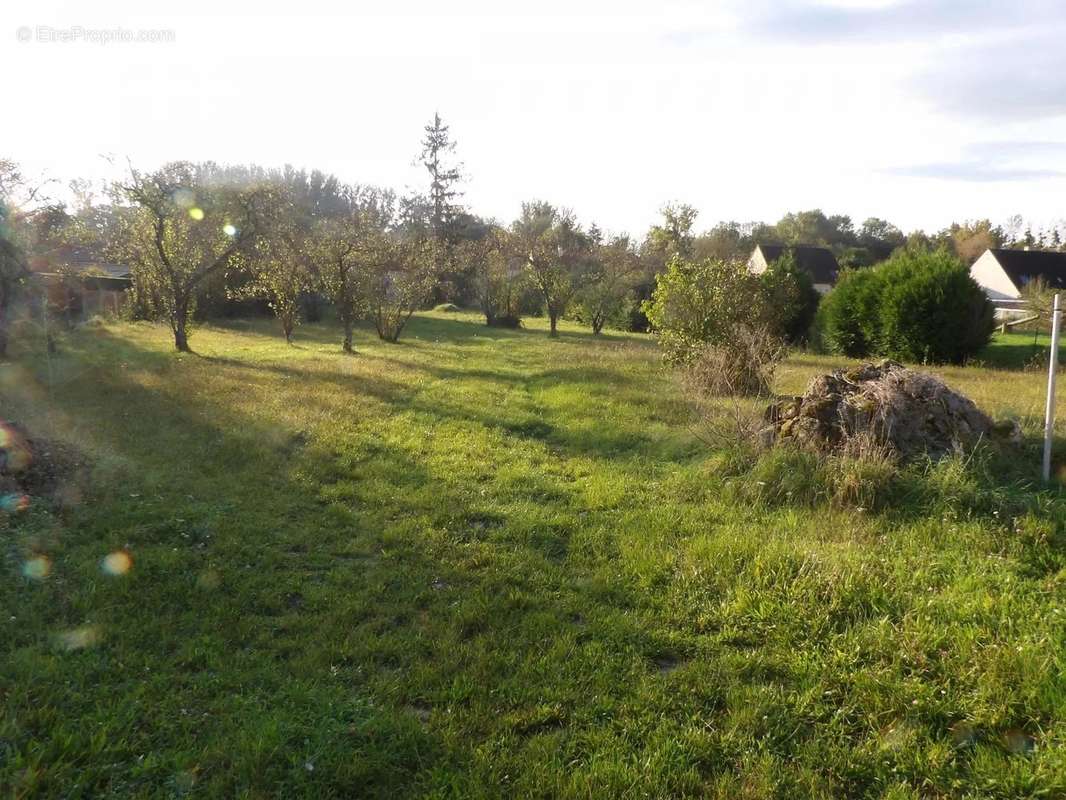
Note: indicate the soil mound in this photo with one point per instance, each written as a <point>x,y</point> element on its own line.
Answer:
<point>908,412</point>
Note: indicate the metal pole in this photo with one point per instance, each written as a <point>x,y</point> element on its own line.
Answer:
<point>1049,411</point>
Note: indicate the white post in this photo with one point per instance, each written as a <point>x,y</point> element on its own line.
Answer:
<point>1049,411</point>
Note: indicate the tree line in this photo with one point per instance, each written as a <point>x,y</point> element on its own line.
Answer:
<point>201,239</point>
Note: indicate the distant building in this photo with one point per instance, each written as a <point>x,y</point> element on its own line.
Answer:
<point>1004,273</point>
<point>78,284</point>
<point>818,262</point>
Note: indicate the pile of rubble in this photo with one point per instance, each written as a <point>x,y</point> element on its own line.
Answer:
<point>909,413</point>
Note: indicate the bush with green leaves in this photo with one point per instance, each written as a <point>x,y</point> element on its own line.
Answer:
<point>931,309</point>
<point>607,283</point>
<point>696,303</point>
<point>790,298</point>
<point>848,319</point>
<point>919,306</point>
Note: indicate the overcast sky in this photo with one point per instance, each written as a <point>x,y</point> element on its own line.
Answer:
<point>921,112</point>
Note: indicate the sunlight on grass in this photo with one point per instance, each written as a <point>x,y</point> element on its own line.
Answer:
<point>484,563</point>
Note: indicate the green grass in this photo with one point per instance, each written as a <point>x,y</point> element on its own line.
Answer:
<point>1018,350</point>
<point>484,563</point>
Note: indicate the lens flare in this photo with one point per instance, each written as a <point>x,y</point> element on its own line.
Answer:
<point>116,563</point>
<point>79,638</point>
<point>14,452</point>
<point>37,568</point>
<point>229,230</point>
<point>196,213</point>
<point>14,503</point>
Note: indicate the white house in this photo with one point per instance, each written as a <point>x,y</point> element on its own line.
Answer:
<point>818,262</point>
<point>1004,273</point>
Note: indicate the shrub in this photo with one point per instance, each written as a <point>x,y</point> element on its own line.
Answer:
<point>713,322</point>
<point>744,366</point>
<point>848,321</point>
<point>918,306</point>
<point>635,320</point>
<point>696,303</point>
<point>790,298</point>
<point>931,309</point>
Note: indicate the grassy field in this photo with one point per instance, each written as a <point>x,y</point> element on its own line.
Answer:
<point>488,564</point>
<point>1018,350</point>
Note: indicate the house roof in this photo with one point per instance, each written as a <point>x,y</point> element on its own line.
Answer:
<point>79,260</point>
<point>1022,266</point>
<point>818,262</point>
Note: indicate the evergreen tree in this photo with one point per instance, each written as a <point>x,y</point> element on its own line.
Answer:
<point>443,208</point>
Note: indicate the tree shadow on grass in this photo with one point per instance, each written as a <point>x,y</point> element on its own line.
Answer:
<point>460,328</point>
<point>339,623</point>
<point>1019,352</point>
<point>423,327</point>
<point>207,504</point>
<point>285,585</point>
<point>275,575</point>
<point>589,436</point>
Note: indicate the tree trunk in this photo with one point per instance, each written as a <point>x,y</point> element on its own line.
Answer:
<point>181,339</point>
<point>347,346</point>
<point>181,320</point>
<point>553,319</point>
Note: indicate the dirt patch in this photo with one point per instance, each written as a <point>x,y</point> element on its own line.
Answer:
<point>37,467</point>
<point>665,663</point>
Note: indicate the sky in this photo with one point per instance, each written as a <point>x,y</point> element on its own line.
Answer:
<point>918,111</point>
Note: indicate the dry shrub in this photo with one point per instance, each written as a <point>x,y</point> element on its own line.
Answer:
<point>743,366</point>
<point>730,385</point>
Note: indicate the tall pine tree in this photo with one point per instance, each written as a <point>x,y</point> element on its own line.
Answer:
<point>444,210</point>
